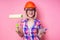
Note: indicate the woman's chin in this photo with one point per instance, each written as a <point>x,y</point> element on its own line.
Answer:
<point>30,16</point>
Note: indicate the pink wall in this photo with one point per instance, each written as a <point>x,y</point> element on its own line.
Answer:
<point>49,12</point>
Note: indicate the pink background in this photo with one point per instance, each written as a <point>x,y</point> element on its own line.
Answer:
<point>49,14</point>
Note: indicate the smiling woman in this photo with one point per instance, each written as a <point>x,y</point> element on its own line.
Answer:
<point>30,28</point>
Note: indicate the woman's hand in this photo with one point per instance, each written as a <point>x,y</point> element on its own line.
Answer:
<point>42,32</point>
<point>17,28</point>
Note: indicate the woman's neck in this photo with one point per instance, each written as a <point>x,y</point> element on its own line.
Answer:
<point>31,19</point>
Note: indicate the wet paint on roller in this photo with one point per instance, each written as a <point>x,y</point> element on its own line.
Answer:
<point>15,16</point>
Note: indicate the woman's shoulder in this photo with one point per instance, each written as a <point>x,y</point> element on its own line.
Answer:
<point>37,20</point>
<point>24,20</point>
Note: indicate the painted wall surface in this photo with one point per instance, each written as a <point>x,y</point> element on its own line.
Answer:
<point>49,14</point>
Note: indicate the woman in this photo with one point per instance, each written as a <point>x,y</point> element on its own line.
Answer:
<point>30,26</point>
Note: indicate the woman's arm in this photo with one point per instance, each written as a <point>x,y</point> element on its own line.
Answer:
<point>41,30</point>
<point>19,30</point>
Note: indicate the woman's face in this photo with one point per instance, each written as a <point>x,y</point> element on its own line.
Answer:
<point>30,13</point>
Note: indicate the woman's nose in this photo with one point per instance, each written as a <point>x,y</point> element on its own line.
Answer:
<point>31,13</point>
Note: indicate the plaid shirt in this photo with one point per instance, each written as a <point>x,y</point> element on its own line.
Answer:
<point>31,33</point>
